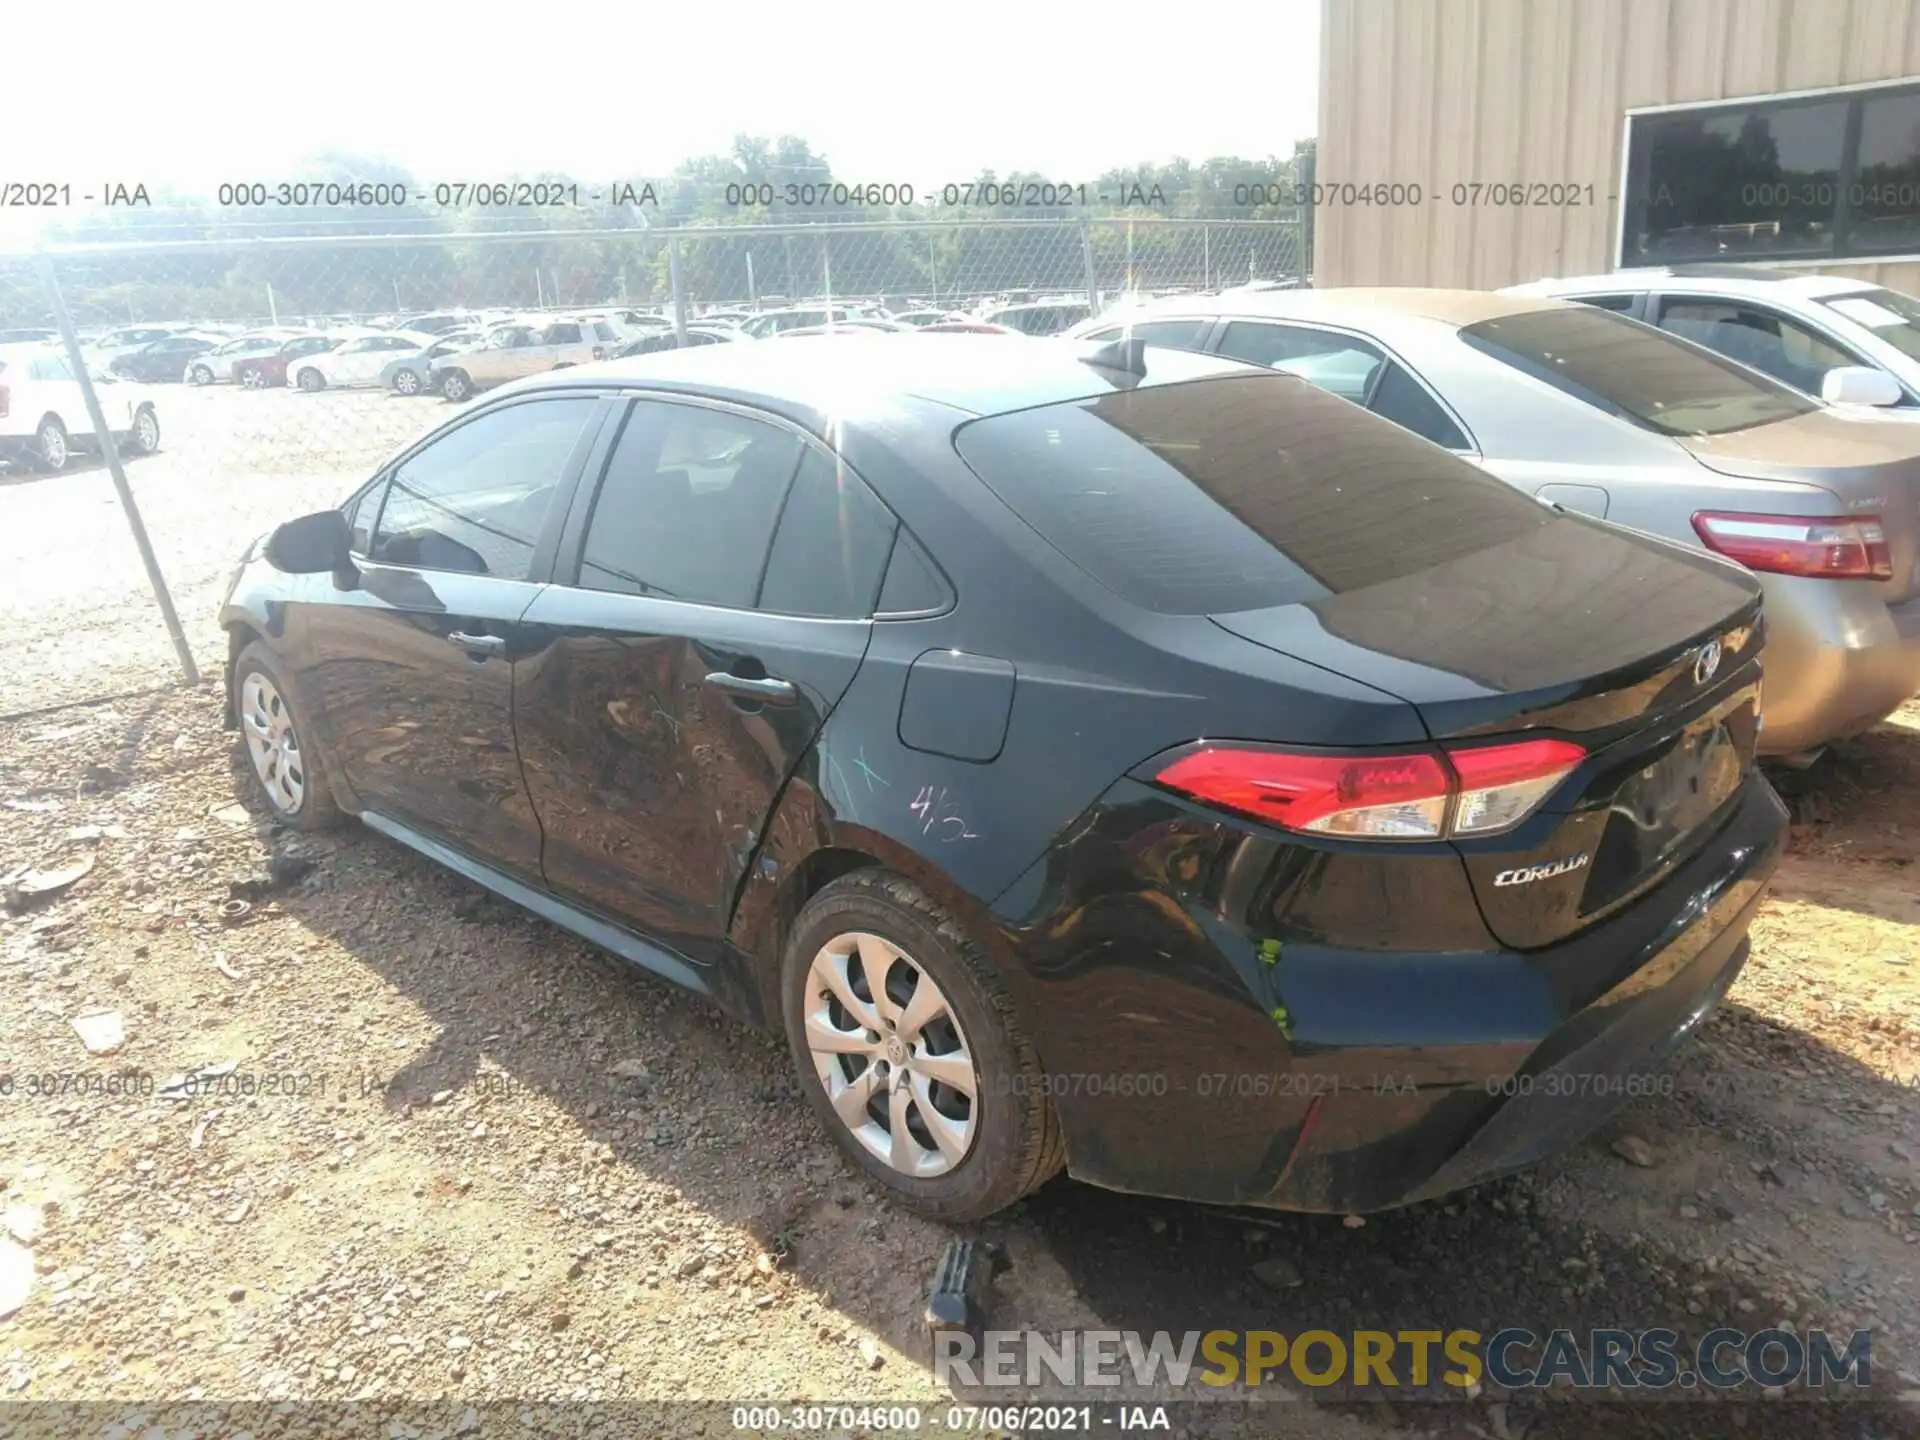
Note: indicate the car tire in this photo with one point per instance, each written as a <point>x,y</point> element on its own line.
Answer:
<point>310,380</point>
<point>52,449</point>
<point>146,431</point>
<point>253,378</point>
<point>278,750</point>
<point>1002,1142</point>
<point>455,384</point>
<point>406,383</point>
<point>199,375</point>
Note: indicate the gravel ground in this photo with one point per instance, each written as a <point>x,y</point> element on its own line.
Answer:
<point>464,1156</point>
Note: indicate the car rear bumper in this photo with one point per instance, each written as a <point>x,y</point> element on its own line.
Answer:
<point>1304,1076</point>
<point>1838,661</point>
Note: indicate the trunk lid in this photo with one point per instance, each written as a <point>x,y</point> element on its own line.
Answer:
<point>1870,464</point>
<point>1645,653</point>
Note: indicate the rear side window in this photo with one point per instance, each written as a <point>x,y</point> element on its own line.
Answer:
<point>1634,372</point>
<point>688,505</point>
<point>831,547</point>
<point>1402,399</point>
<point>1238,492</point>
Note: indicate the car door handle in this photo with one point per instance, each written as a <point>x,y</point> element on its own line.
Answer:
<point>478,646</point>
<point>768,691</point>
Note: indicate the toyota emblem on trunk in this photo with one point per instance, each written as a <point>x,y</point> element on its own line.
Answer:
<point>1708,664</point>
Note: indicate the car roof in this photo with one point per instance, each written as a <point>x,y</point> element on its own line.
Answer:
<point>1759,280</point>
<point>1452,307</point>
<point>976,374</point>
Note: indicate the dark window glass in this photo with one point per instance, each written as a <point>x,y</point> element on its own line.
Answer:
<point>1333,362</point>
<point>1621,303</point>
<point>1402,399</point>
<point>913,584</point>
<point>1769,342</point>
<point>1633,371</point>
<point>1750,181</point>
<point>475,499</point>
<point>1885,195</point>
<point>560,335</point>
<point>831,547</point>
<point>688,505</point>
<point>1238,492</point>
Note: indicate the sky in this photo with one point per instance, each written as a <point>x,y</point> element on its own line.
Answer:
<point>195,94</point>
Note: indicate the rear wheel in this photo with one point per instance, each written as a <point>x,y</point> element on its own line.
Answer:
<point>911,1052</point>
<point>310,380</point>
<point>253,378</point>
<point>200,375</point>
<point>285,763</point>
<point>146,431</point>
<point>407,382</point>
<point>455,385</point>
<point>50,444</point>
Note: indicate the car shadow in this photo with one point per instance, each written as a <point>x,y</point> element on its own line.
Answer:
<point>525,1012</point>
<point>1855,841</point>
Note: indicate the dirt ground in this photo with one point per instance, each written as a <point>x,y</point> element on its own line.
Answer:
<point>460,1155</point>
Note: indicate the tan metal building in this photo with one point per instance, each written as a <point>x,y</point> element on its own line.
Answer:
<point>1501,141</point>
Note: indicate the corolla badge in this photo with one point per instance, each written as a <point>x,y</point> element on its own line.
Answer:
<point>1527,874</point>
<point>1707,665</point>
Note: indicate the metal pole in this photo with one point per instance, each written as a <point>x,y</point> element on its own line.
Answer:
<point>398,308</point>
<point>273,310</point>
<point>112,453</point>
<point>826,277</point>
<point>1206,258</point>
<point>679,292</point>
<point>1086,258</point>
<point>933,270</point>
<point>753,300</point>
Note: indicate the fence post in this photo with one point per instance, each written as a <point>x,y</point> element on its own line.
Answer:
<point>679,294</point>
<point>1086,258</point>
<point>1206,257</point>
<point>111,452</point>
<point>933,269</point>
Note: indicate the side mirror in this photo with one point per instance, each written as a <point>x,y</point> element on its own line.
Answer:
<point>312,545</point>
<point>1859,385</point>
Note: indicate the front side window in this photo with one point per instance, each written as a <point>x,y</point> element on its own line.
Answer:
<point>1620,303</point>
<point>561,335</point>
<point>1891,315</point>
<point>1782,348</point>
<point>474,500</point>
<point>688,505</point>
<point>1634,372</point>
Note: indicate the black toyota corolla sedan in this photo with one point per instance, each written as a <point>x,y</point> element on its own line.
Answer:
<point>1116,759</point>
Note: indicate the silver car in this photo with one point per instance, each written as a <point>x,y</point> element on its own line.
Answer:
<point>1606,416</point>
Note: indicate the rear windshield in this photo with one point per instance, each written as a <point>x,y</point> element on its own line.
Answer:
<point>1636,372</point>
<point>1238,492</point>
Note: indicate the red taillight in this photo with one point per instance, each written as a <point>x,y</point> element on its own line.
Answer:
<point>1851,547</point>
<point>1470,791</point>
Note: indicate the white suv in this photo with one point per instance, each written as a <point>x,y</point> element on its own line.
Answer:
<point>1841,340</point>
<point>43,415</point>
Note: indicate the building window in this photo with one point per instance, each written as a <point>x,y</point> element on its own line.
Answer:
<point>1823,177</point>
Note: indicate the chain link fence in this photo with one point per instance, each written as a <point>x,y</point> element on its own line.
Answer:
<point>250,380</point>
